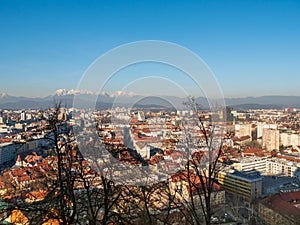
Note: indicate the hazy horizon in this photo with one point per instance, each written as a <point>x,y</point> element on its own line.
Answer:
<point>114,93</point>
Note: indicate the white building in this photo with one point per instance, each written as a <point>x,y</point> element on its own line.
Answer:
<point>283,167</point>
<point>4,128</point>
<point>262,126</point>
<point>252,163</point>
<point>269,166</point>
<point>243,130</point>
<point>23,116</point>
<point>141,116</point>
<point>270,139</point>
<point>289,139</point>
<point>142,148</point>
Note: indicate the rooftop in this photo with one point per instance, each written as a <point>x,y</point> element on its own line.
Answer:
<point>284,204</point>
<point>251,175</point>
<point>5,144</point>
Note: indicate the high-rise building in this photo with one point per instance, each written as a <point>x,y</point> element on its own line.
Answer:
<point>7,152</point>
<point>23,116</point>
<point>289,139</point>
<point>270,139</point>
<point>140,116</point>
<point>262,126</point>
<point>242,130</point>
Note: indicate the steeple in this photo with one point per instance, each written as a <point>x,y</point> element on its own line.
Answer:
<point>19,161</point>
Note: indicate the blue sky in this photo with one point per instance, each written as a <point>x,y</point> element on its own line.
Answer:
<point>253,47</point>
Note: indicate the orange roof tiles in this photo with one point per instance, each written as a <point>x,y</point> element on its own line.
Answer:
<point>283,203</point>
<point>36,195</point>
<point>6,140</point>
<point>18,217</point>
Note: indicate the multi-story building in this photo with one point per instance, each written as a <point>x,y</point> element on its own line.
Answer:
<point>251,163</point>
<point>283,167</point>
<point>270,139</point>
<point>269,166</point>
<point>242,130</point>
<point>7,152</point>
<point>244,184</point>
<point>261,126</point>
<point>4,128</point>
<point>289,139</point>
<point>27,146</point>
<point>23,116</point>
<point>179,186</point>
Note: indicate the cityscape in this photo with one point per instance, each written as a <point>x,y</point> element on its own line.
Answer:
<point>258,165</point>
<point>149,112</point>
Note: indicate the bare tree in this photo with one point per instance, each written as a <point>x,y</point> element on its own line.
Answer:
<point>80,191</point>
<point>46,192</point>
<point>61,192</point>
<point>99,196</point>
<point>201,171</point>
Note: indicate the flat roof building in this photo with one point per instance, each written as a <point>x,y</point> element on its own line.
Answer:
<point>244,184</point>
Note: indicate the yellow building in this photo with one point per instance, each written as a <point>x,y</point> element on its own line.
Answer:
<point>244,184</point>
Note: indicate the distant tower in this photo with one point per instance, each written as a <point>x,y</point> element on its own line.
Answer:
<point>19,161</point>
<point>141,116</point>
<point>270,139</point>
<point>23,116</point>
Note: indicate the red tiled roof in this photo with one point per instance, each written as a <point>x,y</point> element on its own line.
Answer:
<point>36,195</point>
<point>288,158</point>
<point>146,130</point>
<point>243,138</point>
<point>5,140</point>
<point>283,204</point>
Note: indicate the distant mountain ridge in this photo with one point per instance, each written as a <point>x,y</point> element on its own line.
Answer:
<point>107,100</point>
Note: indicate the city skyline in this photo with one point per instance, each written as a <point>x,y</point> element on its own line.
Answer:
<point>250,46</point>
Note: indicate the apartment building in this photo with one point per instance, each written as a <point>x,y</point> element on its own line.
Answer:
<point>244,184</point>
<point>283,167</point>
<point>7,152</point>
<point>251,163</point>
<point>242,130</point>
<point>289,139</point>
<point>270,139</point>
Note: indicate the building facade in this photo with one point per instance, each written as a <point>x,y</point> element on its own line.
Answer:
<point>289,139</point>
<point>283,167</point>
<point>270,139</point>
<point>247,185</point>
<point>7,152</point>
<point>252,163</point>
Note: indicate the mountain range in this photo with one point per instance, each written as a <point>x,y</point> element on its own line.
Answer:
<point>119,98</point>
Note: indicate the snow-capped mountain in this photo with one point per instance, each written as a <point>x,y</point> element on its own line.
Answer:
<point>62,92</point>
<point>84,98</point>
<point>120,98</point>
<point>122,93</point>
<point>3,95</point>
